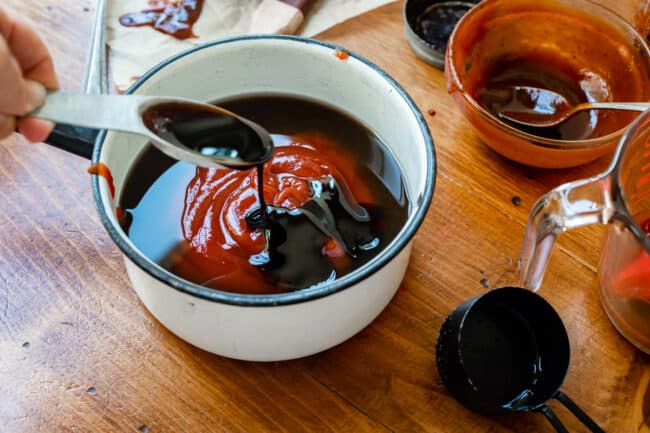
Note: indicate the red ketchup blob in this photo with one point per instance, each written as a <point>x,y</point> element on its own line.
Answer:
<point>220,242</point>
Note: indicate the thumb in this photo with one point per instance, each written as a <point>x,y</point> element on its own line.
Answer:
<point>33,96</point>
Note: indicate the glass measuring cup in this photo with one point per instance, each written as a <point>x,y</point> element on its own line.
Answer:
<point>619,197</point>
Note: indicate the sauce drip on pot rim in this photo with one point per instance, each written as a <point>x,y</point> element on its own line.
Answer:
<point>101,169</point>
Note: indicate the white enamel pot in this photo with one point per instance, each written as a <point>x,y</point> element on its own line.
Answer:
<point>301,323</point>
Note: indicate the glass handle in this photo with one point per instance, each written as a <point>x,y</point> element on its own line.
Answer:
<point>572,205</point>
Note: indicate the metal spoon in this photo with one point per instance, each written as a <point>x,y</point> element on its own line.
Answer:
<point>536,119</point>
<point>205,135</point>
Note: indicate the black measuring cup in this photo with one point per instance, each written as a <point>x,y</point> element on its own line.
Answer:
<point>507,350</point>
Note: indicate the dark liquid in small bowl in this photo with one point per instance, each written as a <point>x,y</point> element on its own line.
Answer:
<point>200,223</point>
<point>542,85</point>
<point>559,47</point>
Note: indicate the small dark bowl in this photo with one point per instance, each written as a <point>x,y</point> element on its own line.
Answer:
<point>429,24</point>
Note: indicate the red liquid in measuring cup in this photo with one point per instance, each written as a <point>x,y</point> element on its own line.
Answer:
<point>625,284</point>
<point>645,225</point>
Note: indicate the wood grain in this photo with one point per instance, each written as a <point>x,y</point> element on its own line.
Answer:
<point>79,352</point>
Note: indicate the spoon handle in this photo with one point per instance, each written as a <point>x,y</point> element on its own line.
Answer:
<point>628,106</point>
<point>117,112</point>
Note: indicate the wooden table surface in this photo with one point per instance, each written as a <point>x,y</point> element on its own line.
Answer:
<point>79,352</point>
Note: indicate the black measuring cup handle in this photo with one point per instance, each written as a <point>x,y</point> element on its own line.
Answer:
<point>553,419</point>
<point>578,413</point>
<point>575,410</point>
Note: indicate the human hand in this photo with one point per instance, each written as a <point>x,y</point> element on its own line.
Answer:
<point>26,70</point>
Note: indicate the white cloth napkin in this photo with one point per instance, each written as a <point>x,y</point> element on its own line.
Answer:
<point>134,50</point>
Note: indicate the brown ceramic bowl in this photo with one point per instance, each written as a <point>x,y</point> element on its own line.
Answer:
<point>583,40</point>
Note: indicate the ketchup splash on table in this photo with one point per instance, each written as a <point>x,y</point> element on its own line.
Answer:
<point>173,17</point>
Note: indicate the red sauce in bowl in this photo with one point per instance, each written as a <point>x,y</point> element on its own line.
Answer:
<point>195,222</point>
